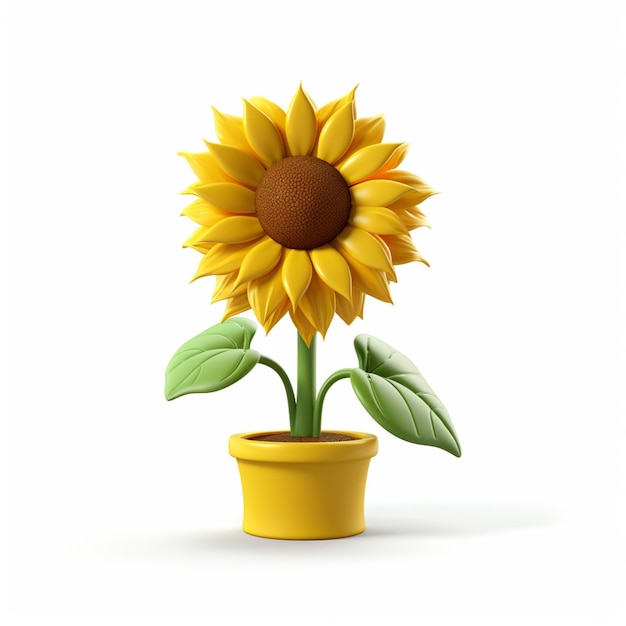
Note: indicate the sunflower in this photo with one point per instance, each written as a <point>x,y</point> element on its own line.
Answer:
<point>302,212</point>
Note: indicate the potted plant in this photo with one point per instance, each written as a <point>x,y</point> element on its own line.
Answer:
<point>305,213</point>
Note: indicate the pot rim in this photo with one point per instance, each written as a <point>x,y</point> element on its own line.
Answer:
<point>243,447</point>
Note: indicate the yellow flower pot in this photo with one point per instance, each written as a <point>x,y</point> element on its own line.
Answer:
<point>303,490</point>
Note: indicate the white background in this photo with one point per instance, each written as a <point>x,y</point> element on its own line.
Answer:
<point>120,508</point>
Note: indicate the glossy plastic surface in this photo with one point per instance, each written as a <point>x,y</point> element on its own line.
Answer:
<point>303,490</point>
<point>307,269</point>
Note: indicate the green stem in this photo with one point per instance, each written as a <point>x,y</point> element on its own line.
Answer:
<point>317,415</point>
<point>305,404</point>
<point>291,399</point>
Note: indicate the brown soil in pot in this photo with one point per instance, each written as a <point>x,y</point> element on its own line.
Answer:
<point>288,438</point>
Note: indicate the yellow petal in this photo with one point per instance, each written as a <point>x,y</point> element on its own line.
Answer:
<point>324,113</point>
<point>227,196</point>
<point>332,268</point>
<point>366,248</point>
<point>235,306</point>
<point>198,240</point>
<point>205,167</point>
<point>272,110</point>
<point>336,135</point>
<point>266,294</point>
<point>274,317</point>
<point>403,250</point>
<point>237,163</point>
<point>421,190</point>
<point>410,200</point>
<point>262,135</point>
<point>301,125</point>
<point>372,160</point>
<point>229,130</point>
<point>260,260</point>
<point>378,192</point>
<point>226,287</point>
<point>411,217</point>
<point>408,178</point>
<point>222,259</point>
<point>349,309</point>
<point>379,220</point>
<point>306,330</point>
<point>318,305</point>
<point>367,131</point>
<point>296,274</point>
<point>203,213</point>
<point>370,281</point>
<point>236,229</point>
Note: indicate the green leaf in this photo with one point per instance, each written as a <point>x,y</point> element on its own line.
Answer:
<point>395,394</point>
<point>212,360</point>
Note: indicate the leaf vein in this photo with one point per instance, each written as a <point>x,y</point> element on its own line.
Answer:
<point>432,423</point>
<point>208,354</point>
<point>382,363</point>
<point>375,395</point>
<point>401,390</point>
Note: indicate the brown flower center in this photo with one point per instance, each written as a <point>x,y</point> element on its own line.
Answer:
<point>302,202</point>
